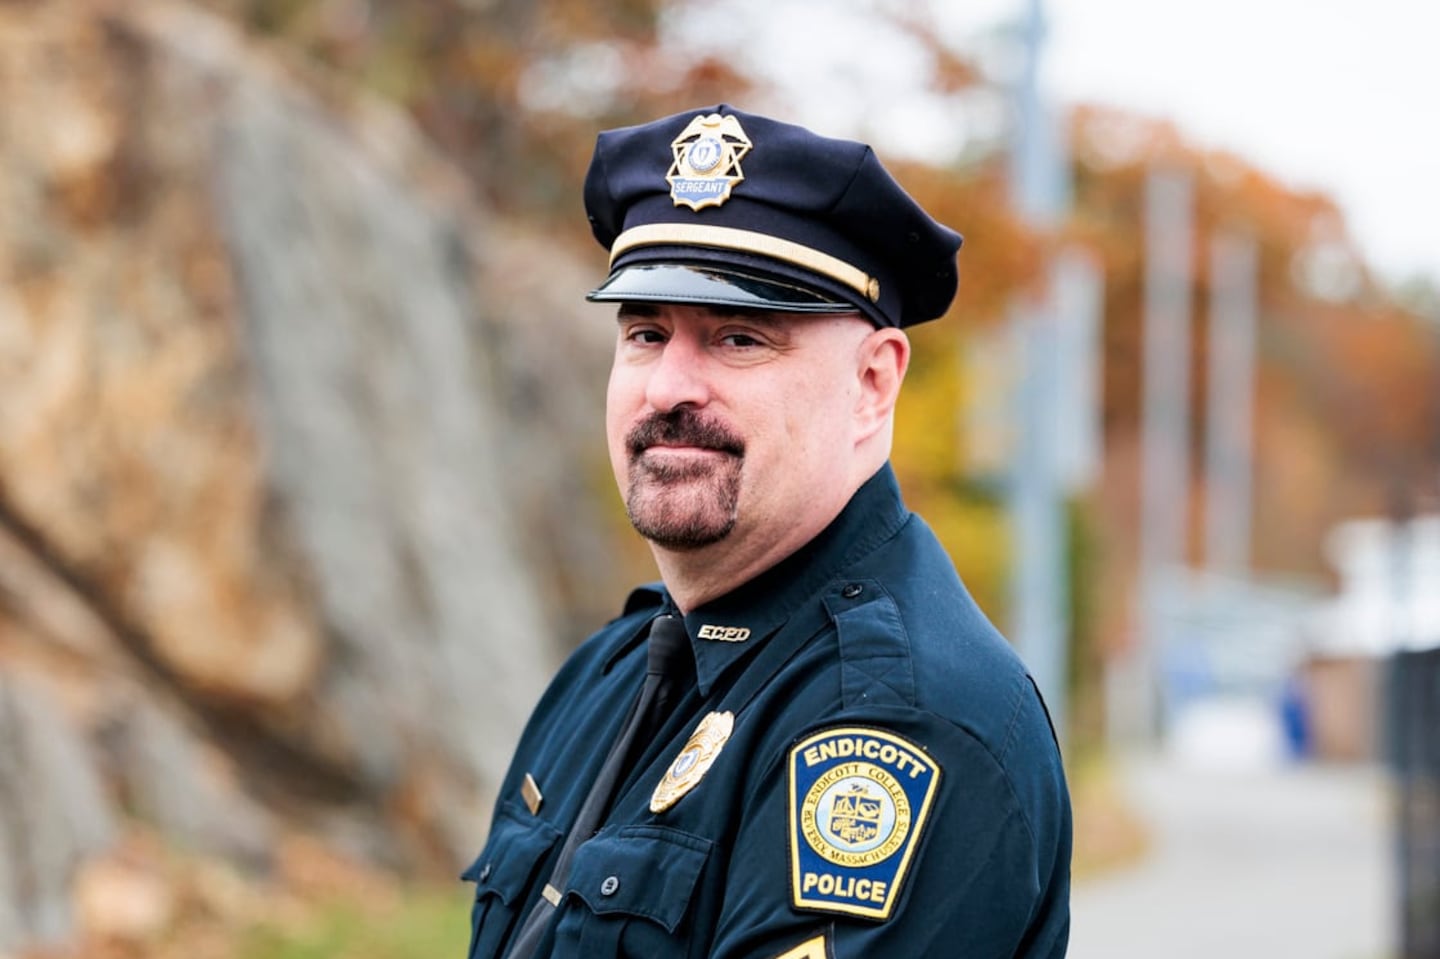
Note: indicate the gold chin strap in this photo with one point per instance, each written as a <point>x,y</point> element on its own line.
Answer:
<point>749,241</point>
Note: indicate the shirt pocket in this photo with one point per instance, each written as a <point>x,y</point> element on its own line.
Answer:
<point>504,870</point>
<point>634,886</point>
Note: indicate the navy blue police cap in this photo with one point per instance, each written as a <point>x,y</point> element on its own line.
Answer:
<point>719,207</point>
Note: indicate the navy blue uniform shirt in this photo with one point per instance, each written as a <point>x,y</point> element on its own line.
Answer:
<point>887,782</point>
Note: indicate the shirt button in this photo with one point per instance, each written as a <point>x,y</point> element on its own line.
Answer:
<point>609,886</point>
<point>852,590</point>
<point>485,872</point>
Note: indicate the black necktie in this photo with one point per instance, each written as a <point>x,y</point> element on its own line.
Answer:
<point>668,669</point>
<point>666,665</point>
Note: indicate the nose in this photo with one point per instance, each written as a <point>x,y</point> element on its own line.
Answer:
<point>678,376</point>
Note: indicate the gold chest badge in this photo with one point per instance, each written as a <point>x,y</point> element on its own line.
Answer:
<point>707,161</point>
<point>694,761</point>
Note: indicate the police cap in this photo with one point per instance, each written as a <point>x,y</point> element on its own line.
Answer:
<point>724,208</point>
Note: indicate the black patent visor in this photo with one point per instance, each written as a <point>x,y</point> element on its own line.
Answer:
<point>710,286</point>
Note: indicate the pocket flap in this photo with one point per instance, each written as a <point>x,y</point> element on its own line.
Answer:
<point>647,871</point>
<point>516,847</point>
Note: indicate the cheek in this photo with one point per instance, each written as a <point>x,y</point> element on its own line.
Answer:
<point>624,389</point>
<point>619,414</point>
<point>816,416</point>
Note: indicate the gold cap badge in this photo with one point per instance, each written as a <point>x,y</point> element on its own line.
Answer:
<point>707,161</point>
<point>694,760</point>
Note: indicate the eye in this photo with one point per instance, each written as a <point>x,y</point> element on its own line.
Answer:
<point>645,334</point>
<point>740,339</point>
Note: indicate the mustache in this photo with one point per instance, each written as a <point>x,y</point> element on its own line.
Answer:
<point>682,427</point>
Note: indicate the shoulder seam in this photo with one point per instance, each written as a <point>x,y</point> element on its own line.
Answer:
<point>1014,724</point>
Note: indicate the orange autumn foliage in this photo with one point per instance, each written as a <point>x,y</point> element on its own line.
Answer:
<point>1337,359</point>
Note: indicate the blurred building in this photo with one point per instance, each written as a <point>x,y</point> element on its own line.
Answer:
<point>1387,602</point>
<point>1254,672</point>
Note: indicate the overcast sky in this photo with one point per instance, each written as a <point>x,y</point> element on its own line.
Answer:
<point>1333,95</point>
<point>1340,95</point>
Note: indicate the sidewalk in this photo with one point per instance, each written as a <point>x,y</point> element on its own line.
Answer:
<point>1254,863</point>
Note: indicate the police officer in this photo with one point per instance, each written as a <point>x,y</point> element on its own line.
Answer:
<point>806,741</point>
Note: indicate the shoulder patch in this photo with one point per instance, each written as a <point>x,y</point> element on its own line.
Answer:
<point>858,802</point>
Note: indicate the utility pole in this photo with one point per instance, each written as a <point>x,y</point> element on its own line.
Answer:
<point>1039,185</point>
<point>1055,438</point>
<point>1230,405</point>
<point>1135,690</point>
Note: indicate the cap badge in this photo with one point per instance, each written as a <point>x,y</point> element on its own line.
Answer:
<point>707,161</point>
<point>694,761</point>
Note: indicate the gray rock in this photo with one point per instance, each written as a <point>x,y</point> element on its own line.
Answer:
<point>53,813</point>
<point>381,445</point>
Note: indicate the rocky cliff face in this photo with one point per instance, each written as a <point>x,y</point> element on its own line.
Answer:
<point>280,450</point>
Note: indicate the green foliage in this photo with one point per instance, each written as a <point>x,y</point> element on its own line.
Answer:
<point>1085,563</point>
<point>421,924</point>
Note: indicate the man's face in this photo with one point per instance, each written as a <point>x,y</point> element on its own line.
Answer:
<point>732,426</point>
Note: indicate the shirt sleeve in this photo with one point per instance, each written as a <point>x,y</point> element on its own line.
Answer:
<point>986,870</point>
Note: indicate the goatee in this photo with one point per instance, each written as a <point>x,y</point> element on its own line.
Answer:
<point>683,505</point>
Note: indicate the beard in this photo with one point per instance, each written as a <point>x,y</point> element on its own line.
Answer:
<point>683,505</point>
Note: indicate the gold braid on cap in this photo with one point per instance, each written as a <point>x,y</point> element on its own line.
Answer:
<point>748,241</point>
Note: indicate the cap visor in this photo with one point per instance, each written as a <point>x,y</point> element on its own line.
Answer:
<point>709,286</point>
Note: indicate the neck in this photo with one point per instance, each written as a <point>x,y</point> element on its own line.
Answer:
<point>695,577</point>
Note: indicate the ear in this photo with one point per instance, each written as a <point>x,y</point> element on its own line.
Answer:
<point>883,358</point>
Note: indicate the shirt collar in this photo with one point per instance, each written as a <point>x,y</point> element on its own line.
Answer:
<point>723,630</point>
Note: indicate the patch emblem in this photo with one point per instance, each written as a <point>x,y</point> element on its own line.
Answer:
<point>694,761</point>
<point>858,802</point>
<point>707,161</point>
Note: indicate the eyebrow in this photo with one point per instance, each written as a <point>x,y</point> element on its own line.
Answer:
<point>640,310</point>
<point>636,311</point>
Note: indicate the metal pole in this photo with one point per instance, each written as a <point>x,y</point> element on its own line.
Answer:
<point>1038,181</point>
<point>1039,594</point>
<point>1165,439</point>
<point>1228,454</point>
